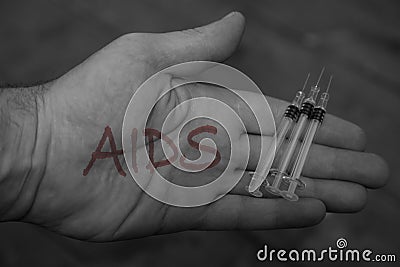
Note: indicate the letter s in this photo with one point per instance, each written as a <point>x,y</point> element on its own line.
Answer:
<point>201,148</point>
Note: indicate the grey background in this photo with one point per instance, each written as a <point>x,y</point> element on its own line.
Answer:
<point>358,41</point>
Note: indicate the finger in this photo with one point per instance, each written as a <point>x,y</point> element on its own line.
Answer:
<point>244,103</point>
<point>338,196</point>
<point>325,162</point>
<point>333,132</point>
<point>215,42</point>
<point>242,212</point>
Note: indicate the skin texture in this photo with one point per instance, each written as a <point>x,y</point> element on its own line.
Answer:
<point>50,190</point>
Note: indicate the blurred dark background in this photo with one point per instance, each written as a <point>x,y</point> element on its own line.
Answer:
<point>358,41</point>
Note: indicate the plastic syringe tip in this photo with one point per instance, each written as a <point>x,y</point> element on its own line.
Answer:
<point>323,101</point>
<point>298,99</point>
<point>312,95</point>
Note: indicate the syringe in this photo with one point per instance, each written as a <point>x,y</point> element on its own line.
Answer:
<point>305,113</point>
<point>289,118</point>
<point>316,120</point>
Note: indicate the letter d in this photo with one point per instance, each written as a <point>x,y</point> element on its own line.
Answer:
<point>262,251</point>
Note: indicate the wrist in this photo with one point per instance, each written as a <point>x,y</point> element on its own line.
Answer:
<point>22,149</point>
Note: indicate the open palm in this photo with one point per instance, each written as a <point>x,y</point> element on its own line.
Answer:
<point>106,203</point>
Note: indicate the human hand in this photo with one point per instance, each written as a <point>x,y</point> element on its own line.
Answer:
<point>103,205</point>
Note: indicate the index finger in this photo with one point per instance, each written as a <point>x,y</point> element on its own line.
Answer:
<point>334,131</point>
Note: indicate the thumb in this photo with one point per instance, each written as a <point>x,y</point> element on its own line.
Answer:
<point>214,42</point>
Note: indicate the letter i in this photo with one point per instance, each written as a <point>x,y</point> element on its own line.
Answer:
<point>134,149</point>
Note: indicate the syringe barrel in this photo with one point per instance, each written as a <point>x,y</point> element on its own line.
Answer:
<point>305,112</point>
<point>283,129</point>
<point>304,149</point>
<point>317,117</point>
<point>290,149</point>
<point>267,157</point>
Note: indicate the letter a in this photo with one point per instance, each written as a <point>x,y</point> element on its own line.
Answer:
<point>98,154</point>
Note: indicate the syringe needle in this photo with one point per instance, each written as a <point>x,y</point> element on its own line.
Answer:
<point>320,76</point>
<point>305,82</point>
<point>329,84</point>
